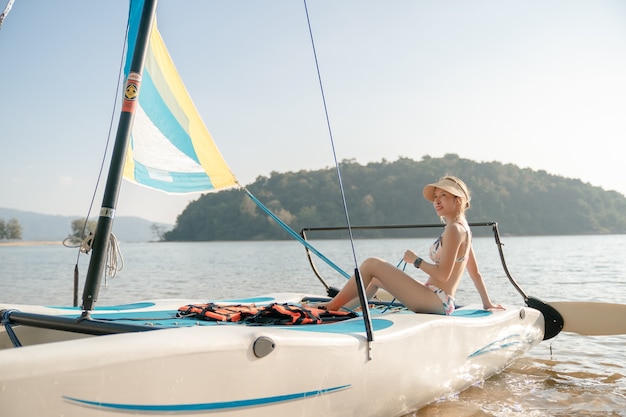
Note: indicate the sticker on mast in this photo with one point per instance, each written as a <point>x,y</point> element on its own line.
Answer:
<point>131,92</point>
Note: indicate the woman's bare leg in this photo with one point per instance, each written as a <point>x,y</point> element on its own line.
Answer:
<point>377,273</point>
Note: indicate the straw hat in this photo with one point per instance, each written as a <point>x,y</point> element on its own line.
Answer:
<point>451,184</point>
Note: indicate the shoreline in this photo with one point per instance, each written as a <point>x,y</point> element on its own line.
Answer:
<point>31,243</point>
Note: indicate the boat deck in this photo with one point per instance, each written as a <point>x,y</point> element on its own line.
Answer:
<point>165,314</point>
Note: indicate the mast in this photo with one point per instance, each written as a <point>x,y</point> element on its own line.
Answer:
<point>114,179</point>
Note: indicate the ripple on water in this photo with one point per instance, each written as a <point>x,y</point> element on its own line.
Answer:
<point>538,388</point>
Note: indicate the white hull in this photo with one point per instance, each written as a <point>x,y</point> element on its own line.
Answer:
<point>211,370</point>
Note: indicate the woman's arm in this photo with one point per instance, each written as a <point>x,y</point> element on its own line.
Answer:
<point>479,283</point>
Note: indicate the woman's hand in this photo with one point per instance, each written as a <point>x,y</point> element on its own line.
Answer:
<point>410,256</point>
<point>491,306</point>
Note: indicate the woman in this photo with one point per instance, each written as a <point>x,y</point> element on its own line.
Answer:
<point>450,255</point>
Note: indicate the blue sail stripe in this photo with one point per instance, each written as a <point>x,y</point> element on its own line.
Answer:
<point>161,116</point>
<point>134,15</point>
<point>177,181</point>
<point>165,83</point>
<point>185,408</point>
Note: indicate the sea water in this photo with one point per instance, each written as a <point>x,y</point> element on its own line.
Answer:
<point>570,375</point>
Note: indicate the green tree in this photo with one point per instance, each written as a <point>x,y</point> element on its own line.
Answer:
<point>13,230</point>
<point>81,228</point>
<point>158,231</point>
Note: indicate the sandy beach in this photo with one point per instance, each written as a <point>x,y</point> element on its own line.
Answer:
<point>30,243</point>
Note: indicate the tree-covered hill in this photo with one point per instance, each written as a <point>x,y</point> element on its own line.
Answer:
<point>522,201</point>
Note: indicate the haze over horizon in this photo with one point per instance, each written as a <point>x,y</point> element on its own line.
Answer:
<point>538,84</point>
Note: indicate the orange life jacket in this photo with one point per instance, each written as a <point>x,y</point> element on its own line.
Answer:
<point>211,311</point>
<point>292,314</point>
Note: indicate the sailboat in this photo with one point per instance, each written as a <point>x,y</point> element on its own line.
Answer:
<point>169,357</point>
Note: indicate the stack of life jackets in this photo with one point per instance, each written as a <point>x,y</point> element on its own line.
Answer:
<point>272,314</point>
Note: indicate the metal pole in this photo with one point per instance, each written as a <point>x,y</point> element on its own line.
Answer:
<point>114,179</point>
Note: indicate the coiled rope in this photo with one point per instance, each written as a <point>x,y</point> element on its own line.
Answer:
<point>114,259</point>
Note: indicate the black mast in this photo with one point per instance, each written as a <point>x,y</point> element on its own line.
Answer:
<point>114,179</point>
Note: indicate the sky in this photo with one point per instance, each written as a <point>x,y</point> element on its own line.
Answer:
<point>536,83</point>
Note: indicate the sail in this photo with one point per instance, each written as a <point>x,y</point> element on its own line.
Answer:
<point>170,147</point>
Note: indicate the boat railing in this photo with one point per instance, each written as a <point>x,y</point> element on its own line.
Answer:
<point>332,291</point>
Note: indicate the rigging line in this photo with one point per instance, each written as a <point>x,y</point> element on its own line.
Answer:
<point>357,275</point>
<point>6,11</point>
<point>391,303</point>
<point>330,134</point>
<point>295,235</point>
<point>108,141</point>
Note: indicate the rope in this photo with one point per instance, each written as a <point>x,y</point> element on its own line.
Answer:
<point>6,321</point>
<point>114,259</point>
<point>84,245</point>
<point>295,235</point>
<point>357,276</point>
<point>330,134</point>
<point>110,268</point>
<point>390,303</point>
<point>6,11</point>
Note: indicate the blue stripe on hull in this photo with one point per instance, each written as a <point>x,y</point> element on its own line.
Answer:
<point>504,343</point>
<point>216,406</point>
